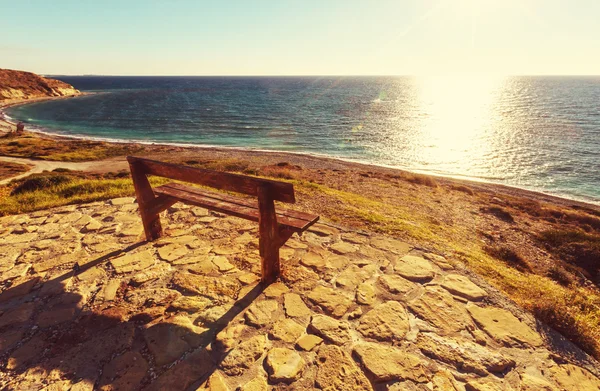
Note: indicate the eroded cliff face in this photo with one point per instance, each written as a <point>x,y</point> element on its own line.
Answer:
<point>27,85</point>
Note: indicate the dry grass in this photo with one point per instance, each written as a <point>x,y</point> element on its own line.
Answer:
<point>530,250</point>
<point>34,147</point>
<point>8,170</point>
<point>510,256</point>
<point>47,190</point>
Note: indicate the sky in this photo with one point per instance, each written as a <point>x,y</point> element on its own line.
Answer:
<point>304,37</point>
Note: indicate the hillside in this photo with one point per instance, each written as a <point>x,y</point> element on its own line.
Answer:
<point>27,85</point>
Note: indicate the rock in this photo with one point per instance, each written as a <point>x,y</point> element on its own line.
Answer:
<point>396,284</point>
<point>248,278</point>
<point>182,375</point>
<point>444,381</point>
<point>313,260</point>
<point>462,286</point>
<point>56,316</point>
<point>19,270</point>
<point>351,277</point>
<point>439,308</point>
<point>110,290</point>
<point>226,250</point>
<point>286,330</point>
<point>486,384</point>
<point>414,268</point>
<point>214,314</point>
<point>133,262</point>
<point>199,212</point>
<point>531,382</point>
<point>214,383</point>
<point>201,265</point>
<point>122,201</point>
<point>464,356</point>
<point>222,264</point>
<point>134,230</point>
<point>571,377</point>
<point>342,248</point>
<point>331,301</point>
<point>365,294</point>
<point>392,245</point>
<point>229,337</point>
<point>283,365</point>
<point>172,252</point>
<point>18,315</point>
<point>92,226</point>
<point>67,260</point>
<point>335,331</point>
<point>27,352</point>
<point>94,274</point>
<point>85,359</point>
<point>155,272</point>
<point>323,230</point>
<point>308,342</point>
<point>386,363</point>
<point>294,306</point>
<point>259,383</point>
<point>503,326</point>
<point>83,385</point>
<point>385,322</point>
<point>295,244</point>
<point>244,355</point>
<point>190,304</point>
<point>260,313</point>
<point>169,340</point>
<point>439,260</point>
<point>211,287</point>
<point>125,372</point>
<point>355,238</point>
<point>149,297</point>
<point>336,371</point>
<point>275,290</point>
<point>9,339</point>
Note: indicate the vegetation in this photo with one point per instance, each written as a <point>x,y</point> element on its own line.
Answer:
<point>34,147</point>
<point>47,190</point>
<point>544,256</point>
<point>8,170</point>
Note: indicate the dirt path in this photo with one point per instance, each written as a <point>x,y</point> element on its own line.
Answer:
<point>44,165</point>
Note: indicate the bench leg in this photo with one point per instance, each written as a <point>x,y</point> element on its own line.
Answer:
<point>146,200</point>
<point>268,242</point>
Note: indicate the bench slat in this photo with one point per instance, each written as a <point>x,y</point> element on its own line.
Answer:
<point>280,191</point>
<point>237,200</point>
<point>297,221</point>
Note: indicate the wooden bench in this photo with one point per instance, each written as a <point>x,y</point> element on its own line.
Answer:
<point>275,227</point>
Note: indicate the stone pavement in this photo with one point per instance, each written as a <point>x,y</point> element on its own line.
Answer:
<point>86,305</point>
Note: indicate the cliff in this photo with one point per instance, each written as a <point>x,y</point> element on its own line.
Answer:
<point>27,85</point>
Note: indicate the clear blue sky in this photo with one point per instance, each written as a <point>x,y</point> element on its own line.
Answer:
<point>304,37</point>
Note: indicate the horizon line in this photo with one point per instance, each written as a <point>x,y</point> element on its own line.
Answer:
<point>323,75</point>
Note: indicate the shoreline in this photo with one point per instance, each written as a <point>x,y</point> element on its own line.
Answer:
<point>480,184</point>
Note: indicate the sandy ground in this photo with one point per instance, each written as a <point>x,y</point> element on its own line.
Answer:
<point>43,165</point>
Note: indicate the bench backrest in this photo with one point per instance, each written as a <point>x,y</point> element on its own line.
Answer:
<point>279,191</point>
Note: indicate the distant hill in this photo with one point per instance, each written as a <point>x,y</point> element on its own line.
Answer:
<point>27,85</point>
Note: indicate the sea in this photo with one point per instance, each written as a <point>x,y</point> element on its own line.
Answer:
<point>539,133</point>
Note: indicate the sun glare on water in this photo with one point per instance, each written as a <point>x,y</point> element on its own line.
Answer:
<point>456,121</point>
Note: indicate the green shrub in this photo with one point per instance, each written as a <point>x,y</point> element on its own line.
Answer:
<point>40,182</point>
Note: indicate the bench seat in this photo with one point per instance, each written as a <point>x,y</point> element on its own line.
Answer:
<point>275,225</point>
<point>235,206</point>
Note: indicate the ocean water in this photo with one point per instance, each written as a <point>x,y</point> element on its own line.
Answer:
<point>538,133</point>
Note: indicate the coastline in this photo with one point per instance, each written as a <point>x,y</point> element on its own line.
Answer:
<point>529,245</point>
<point>304,157</point>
